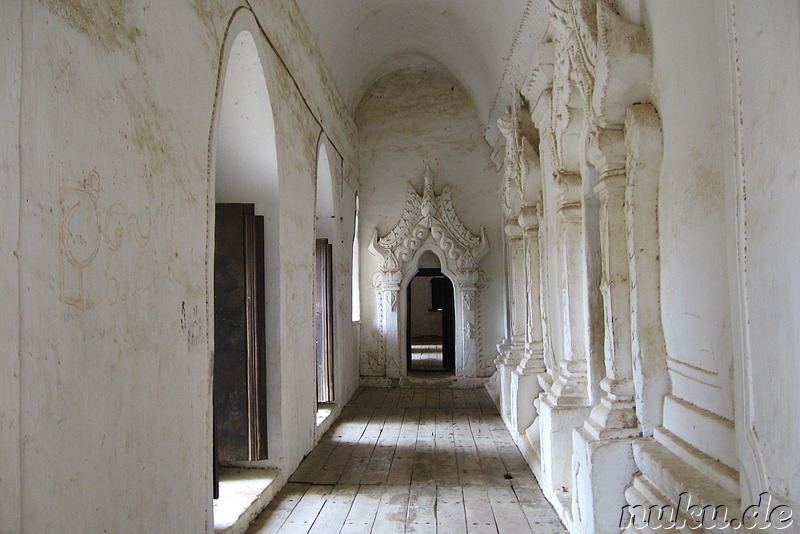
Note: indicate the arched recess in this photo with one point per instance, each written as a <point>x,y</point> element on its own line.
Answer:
<point>326,248</point>
<point>417,265</point>
<point>243,169</point>
<point>430,223</point>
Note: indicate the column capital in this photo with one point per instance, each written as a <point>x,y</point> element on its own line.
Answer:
<point>607,151</point>
<point>512,228</point>
<point>568,193</point>
<point>529,218</point>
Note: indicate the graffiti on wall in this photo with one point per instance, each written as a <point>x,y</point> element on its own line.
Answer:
<point>123,251</point>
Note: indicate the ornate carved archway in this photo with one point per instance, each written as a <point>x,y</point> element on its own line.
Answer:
<point>430,223</point>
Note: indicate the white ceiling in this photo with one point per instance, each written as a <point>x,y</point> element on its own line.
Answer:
<point>362,39</point>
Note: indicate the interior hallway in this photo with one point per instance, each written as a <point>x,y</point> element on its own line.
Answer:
<point>413,460</point>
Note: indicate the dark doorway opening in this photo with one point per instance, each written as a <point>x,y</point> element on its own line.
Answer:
<point>240,390</point>
<point>430,323</point>
<point>323,314</point>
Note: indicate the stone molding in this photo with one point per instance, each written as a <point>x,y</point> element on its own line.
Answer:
<point>430,222</point>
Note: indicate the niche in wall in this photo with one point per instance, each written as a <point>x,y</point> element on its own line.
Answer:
<point>246,256</point>
<point>429,225</point>
<point>430,318</point>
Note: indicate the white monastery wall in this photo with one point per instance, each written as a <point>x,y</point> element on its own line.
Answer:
<point>408,120</point>
<point>114,360</point>
<point>763,194</point>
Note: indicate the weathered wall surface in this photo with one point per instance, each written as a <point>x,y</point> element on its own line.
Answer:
<point>113,250</point>
<point>407,120</point>
<point>10,71</point>
<point>690,90</point>
<point>764,197</point>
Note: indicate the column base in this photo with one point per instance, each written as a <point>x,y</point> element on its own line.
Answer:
<point>530,445</point>
<point>557,424</point>
<point>602,469</point>
<point>674,476</point>
<point>524,390</point>
<point>506,366</point>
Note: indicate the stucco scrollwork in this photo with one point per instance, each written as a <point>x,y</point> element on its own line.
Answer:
<point>520,165</point>
<point>430,221</point>
<point>429,214</point>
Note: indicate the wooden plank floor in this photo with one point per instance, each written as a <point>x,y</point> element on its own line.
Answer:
<point>413,461</point>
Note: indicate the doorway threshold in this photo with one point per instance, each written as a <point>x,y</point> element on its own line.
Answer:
<point>432,379</point>
<point>243,494</point>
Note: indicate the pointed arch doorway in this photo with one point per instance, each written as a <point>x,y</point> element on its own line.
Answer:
<point>429,223</point>
<point>430,319</point>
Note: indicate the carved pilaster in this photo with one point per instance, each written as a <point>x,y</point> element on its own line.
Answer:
<point>429,222</point>
<point>615,415</point>
<point>569,386</point>
<point>547,349</point>
<point>533,362</point>
<point>516,260</point>
<point>643,140</point>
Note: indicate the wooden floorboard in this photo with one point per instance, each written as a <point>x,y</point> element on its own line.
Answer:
<point>334,512</point>
<point>414,460</point>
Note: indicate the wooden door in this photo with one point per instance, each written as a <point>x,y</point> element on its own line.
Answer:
<point>240,393</point>
<point>323,314</point>
<point>448,325</point>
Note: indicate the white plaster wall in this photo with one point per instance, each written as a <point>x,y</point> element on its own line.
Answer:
<point>767,254</point>
<point>407,120</point>
<point>115,349</point>
<point>690,80</point>
<point>10,73</point>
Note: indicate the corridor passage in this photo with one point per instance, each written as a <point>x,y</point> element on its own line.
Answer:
<point>413,460</point>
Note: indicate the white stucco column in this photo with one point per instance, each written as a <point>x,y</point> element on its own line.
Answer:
<point>614,416</point>
<point>514,350</point>
<point>524,376</point>
<point>467,282</point>
<point>603,462</point>
<point>569,387</point>
<point>388,289</point>
<point>565,404</point>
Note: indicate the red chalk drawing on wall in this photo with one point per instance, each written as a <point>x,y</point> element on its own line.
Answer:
<point>80,235</point>
<point>138,248</point>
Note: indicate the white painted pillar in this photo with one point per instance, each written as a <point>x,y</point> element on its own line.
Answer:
<point>388,289</point>
<point>514,351</point>
<point>603,464</point>
<point>565,404</point>
<point>524,377</point>
<point>468,364</point>
<point>569,387</point>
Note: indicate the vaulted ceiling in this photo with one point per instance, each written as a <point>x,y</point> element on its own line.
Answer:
<point>483,43</point>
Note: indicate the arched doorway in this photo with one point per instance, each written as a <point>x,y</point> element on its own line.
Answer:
<point>429,224</point>
<point>245,251</point>
<point>430,321</point>
<point>326,232</point>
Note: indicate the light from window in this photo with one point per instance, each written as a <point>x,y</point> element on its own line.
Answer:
<point>356,292</point>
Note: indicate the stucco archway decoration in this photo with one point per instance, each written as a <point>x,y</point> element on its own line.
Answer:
<point>429,222</point>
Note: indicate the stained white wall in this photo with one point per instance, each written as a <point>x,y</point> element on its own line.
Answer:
<point>690,89</point>
<point>10,72</point>
<point>766,250</point>
<point>114,231</point>
<point>407,120</point>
